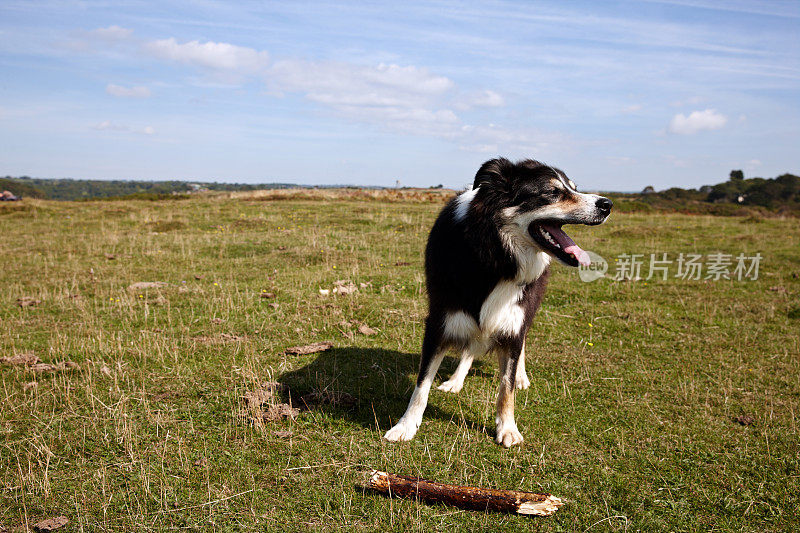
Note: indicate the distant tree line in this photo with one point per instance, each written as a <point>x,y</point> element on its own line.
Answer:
<point>775,192</point>
<point>71,189</point>
<point>19,188</point>
<point>782,192</point>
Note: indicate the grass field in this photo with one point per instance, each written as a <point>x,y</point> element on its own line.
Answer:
<point>629,418</point>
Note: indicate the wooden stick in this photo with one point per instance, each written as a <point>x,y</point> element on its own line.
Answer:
<point>479,499</point>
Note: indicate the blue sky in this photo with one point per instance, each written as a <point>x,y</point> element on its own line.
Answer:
<point>618,94</point>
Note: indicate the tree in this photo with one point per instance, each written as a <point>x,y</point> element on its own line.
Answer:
<point>737,175</point>
<point>19,188</point>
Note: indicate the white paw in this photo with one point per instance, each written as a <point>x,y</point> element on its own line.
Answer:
<point>522,381</point>
<point>508,435</point>
<point>404,430</point>
<point>452,385</point>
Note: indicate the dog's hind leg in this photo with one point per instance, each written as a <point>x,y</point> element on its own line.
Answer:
<point>508,357</point>
<point>432,355</point>
<point>521,381</point>
<point>456,381</point>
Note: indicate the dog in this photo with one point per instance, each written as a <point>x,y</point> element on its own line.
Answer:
<point>487,263</point>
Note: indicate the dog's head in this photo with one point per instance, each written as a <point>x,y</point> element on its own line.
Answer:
<point>539,199</point>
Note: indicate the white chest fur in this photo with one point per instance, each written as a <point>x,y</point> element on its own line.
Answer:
<point>501,312</point>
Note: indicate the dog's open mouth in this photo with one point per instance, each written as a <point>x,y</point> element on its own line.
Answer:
<point>553,240</point>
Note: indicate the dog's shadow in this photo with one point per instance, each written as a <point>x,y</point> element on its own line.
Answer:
<point>368,386</point>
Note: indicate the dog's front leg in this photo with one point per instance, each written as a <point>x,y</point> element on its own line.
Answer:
<point>508,357</point>
<point>432,355</point>
<point>407,426</point>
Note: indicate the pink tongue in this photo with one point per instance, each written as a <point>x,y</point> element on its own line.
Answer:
<point>568,245</point>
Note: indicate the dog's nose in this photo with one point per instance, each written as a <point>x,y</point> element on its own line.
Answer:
<point>604,205</point>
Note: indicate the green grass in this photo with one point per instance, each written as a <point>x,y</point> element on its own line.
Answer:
<point>634,431</point>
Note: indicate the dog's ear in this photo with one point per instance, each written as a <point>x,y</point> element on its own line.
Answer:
<point>494,170</point>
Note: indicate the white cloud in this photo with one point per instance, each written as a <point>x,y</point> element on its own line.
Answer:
<point>128,92</point>
<point>399,98</point>
<point>499,139</point>
<point>633,108</point>
<point>403,99</point>
<point>211,55</point>
<point>697,121</point>
<point>753,164</point>
<point>481,148</point>
<point>108,125</point>
<point>342,84</point>
<point>485,98</point>
<point>618,160</point>
<point>112,33</point>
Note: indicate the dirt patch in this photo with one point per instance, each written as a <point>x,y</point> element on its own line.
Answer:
<point>32,362</point>
<point>51,524</point>
<point>20,359</point>
<point>344,286</point>
<point>265,395</point>
<point>366,330</point>
<point>142,285</point>
<point>280,411</point>
<point>271,402</point>
<point>262,405</point>
<point>54,367</point>
<point>309,348</point>
<point>28,301</point>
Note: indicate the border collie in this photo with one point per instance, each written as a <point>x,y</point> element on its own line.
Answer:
<point>486,266</point>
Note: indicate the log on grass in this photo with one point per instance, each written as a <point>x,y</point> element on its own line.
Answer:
<point>465,497</point>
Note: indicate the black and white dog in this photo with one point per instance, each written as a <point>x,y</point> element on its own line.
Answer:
<point>487,264</point>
